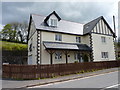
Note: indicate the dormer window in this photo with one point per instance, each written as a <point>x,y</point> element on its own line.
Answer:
<point>52,19</point>
<point>54,22</point>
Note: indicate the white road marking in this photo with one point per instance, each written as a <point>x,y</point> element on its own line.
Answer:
<point>110,86</point>
<point>113,86</point>
<point>71,80</point>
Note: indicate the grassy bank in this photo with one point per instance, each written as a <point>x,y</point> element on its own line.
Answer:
<point>11,46</point>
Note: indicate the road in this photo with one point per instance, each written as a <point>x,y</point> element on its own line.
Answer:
<point>107,80</point>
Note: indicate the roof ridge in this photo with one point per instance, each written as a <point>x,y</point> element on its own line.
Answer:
<point>61,19</point>
<point>38,14</point>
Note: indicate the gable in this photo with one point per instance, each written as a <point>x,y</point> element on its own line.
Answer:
<point>99,26</point>
<point>102,27</point>
<point>90,25</point>
<point>53,15</point>
<point>31,28</point>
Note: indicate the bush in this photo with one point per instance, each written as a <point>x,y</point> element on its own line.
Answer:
<point>75,61</point>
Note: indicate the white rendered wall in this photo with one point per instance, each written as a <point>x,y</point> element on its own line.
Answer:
<point>33,40</point>
<point>50,36</point>
<point>99,47</point>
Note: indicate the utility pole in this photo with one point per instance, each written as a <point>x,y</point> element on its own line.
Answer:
<point>115,38</point>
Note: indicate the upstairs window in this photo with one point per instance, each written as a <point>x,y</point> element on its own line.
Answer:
<point>58,37</point>
<point>78,39</point>
<point>103,39</point>
<point>104,54</point>
<point>54,22</point>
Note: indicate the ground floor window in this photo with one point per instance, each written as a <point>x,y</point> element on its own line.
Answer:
<point>78,57</point>
<point>104,54</point>
<point>58,55</point>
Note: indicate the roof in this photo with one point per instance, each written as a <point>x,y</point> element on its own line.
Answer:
<point>66,46</point>
<point>63,27</point>
<point>90,25</point>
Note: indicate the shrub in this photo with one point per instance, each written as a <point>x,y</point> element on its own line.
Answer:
<point>75,61</point>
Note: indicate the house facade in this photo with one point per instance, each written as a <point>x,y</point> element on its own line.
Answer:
<point>52,40</point>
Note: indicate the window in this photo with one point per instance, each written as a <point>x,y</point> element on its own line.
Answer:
<point>58,37</point>
<point>53,22</point>
<point>30,47</point>
<point>76,56</point>
<point>58,55</point>
<point>78,39</point>
<point>103,39</point>
<point>104,54</point>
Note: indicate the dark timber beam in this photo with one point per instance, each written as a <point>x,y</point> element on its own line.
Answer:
<point>51,55</point>
<point>66,55</point>
<point>51,59</point>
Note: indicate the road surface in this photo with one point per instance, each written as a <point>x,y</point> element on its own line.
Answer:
<point>102,81</point>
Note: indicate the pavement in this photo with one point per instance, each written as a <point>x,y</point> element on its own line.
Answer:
<point>30,83</point>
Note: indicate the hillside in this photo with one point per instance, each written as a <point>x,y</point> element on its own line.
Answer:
<point>11,46</point>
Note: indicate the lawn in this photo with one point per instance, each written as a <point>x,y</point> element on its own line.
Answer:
<point>4,45</point>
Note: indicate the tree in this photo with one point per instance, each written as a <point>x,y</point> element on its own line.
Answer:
<point>21,30</point>
<point>8,32</point>
<point>15,31</point>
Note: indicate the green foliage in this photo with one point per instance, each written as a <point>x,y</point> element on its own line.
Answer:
<point>82,71</point>
<point>13,46</point>
<point>75,61</point>
<point>15,32</point>
<point>8,32</point>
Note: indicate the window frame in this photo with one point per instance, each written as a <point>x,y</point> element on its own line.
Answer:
<point>53,22</point>
<point>58,37</point>
<point>104,55</point>
<point>58,55</point>
<point>103,39</point>
<point>78,39</point>
<point>76,56</point>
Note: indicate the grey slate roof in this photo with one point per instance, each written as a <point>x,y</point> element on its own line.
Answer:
<point>65,26</point>
<point>90,25</point>
<point>66,46</point>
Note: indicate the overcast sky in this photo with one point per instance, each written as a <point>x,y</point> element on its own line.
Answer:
<point>81,12</point>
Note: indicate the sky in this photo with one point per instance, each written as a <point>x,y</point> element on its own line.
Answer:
<point>81,12</point>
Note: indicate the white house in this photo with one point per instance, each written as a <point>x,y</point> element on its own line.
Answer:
<point>52,40</point>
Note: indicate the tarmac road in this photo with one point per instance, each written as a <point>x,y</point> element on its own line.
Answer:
<point>102,81</point>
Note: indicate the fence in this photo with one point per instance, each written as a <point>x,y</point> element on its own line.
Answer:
<point>47,71</point>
